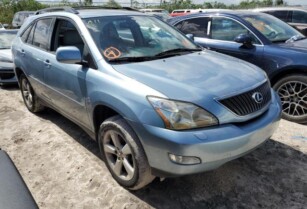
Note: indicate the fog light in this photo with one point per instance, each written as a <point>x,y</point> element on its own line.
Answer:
<point>184,160</point>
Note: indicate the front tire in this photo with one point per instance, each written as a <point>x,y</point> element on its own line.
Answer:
<point>292,91</point>
<point>29,97</point>
<point>124,154</point>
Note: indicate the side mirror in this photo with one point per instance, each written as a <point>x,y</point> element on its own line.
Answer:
<point>245,40</point>
<point>190,36</point>
<point>68,55</point>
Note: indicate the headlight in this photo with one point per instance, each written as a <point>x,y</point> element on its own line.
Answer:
<point>181,115</point>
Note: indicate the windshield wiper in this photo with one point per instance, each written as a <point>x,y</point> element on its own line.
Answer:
<point>131,59</point>
<point>295,38</point>
<point>177,51</point>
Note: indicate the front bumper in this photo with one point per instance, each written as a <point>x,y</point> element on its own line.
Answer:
<point>214,146</point>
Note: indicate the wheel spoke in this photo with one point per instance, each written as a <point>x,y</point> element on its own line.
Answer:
<point>118,167</point>
<point>126,150</point>
<point>109,149</point>
<point>115,140</point>
<point>129,168</point>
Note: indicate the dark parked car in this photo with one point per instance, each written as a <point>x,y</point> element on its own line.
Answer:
<point>260,39</point>
<point>7,75</point>
<point>296,17</point>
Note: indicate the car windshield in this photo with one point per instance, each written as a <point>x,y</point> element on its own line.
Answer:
<point>272,28</point>
<point>6,38</point>
<point>136,37</point>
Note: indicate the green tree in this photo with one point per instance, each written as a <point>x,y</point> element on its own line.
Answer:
<point>113,4</point>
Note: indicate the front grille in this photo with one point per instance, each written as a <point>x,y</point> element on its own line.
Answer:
<point>6,75</point>
<point>244,104</point>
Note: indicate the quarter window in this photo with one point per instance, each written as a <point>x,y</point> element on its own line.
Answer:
<point>42,33</point>
<point>25,34</point>
<point>196,26</point>
<point>227,30</point>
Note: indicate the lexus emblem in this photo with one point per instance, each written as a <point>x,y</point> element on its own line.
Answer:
<point>257,96</point>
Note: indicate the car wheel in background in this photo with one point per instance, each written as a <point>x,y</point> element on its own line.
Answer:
<point>29,97</point>
<point>124,154</point>
<point>292,91</point>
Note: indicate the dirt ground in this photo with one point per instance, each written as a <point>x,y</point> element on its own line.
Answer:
<point>62,168</point>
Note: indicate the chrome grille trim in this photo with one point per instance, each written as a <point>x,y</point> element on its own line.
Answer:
<point>243,104</point>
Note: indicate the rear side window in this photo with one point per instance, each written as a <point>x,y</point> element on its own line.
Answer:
<point>42,33</point>
<point>299,17</point>
<point>284,15</point>
<point>196,26</point>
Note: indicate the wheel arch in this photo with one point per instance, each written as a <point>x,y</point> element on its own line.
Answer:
<point>287,71</point>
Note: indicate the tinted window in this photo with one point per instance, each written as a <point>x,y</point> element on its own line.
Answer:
<point>42,33</point>
<point>227,29</point>
<point>196,26</point>
<point>283,15</point>
<point>299,17</point>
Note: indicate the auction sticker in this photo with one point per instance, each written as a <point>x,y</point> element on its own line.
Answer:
<point>112,53</point>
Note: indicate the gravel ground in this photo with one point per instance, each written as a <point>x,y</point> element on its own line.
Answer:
<point>62,168</point>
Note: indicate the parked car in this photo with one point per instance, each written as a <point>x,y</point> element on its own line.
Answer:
<point>14,193</point>
<point>7,75</point>
<point>260,39</point>
<point>154,10</point>
<point>20,17</point>
<point>180,12</point>
<point>295,16</point>
<point>157,104</point>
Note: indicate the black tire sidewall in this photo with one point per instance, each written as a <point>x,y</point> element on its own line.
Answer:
<point>112,125</point>
<point>23,77</point>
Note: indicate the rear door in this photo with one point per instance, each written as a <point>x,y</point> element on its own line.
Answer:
<point>36,40</point>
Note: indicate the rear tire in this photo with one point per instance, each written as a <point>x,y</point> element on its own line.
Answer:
<point>292,91</point>
<point>29,97</point>
<point>124,154</point>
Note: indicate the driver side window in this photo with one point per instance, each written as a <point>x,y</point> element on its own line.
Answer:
<point>226,29</point>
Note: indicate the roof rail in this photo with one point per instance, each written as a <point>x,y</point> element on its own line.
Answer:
<point>57,9</point>
<point>74,9</point>
<point>104,7</point>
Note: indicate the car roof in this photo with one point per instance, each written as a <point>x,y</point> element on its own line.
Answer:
<point>9,31</point>
<point>106,12</point>
<point>231,13</point>
<point>280,8</point>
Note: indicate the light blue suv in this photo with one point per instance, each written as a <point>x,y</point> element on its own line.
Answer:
<point>157,104</point>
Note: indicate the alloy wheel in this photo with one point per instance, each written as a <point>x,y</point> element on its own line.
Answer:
<point>27,93</point>
<point>293,95</point>
<point>119,155</point>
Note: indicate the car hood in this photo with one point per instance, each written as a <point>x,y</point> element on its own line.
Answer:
<point>196,76</point>
<point>300,45</point>
<point>6,54</point>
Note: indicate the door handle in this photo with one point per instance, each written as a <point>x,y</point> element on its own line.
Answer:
<point>23,53</point>
<point>47,63</point>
